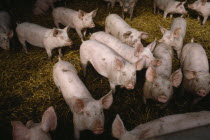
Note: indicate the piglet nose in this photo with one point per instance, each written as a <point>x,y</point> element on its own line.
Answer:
<point>92,25</point>
<point>202,93</point>
<point>125,10</point>
<point>130,86</point>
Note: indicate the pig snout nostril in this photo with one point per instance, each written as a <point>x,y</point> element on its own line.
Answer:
<point>162,99</point>
<point>202,93</point>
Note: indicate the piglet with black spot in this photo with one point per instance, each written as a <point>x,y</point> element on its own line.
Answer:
<point>87,112</point>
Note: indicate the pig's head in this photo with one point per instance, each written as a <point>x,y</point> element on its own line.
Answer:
<point>61,36</point>
<point>125,73</point>
<point>198,82</point>
<point>127,4</point>
<point>133,37</point>
<point>169,36</point>
<point>36,131</point>
<point>197,5</point>
<point>4,40</point>
<point>179,8</point>
<point>88,114</point>
<point>120,132</point>
<point>87,18</point>
<point>145,56</point>
<point>162,86</point>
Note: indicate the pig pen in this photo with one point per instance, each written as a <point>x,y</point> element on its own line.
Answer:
<point>26,83</point>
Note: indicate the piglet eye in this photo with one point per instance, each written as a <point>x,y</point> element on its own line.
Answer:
<point>87,114</point>
<point>124,74</point>
<point>156,85</point>
<point>169,87</point>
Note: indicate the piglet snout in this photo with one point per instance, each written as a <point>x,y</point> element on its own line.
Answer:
<point>201,93</point>
<point>130,86</point>
<point>162,99</point>
<point>98,128</point>
<point>92,25</point>
<point>125,9</point>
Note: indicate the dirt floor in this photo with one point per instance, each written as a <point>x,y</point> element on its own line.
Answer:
<point>27,88</point>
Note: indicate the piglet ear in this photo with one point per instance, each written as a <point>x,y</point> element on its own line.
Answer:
<point>81,14</point>
<point>151,74</point>
<point>162,29</point>
<point>78,105</point>
<point>139,48</point>
<point>49,120</point>
<point>132,4</point>
<point>94,12</point>
<point>121,3</point>
<point>29,124</point>
<point>107,100</point>
<point>140,64</point>
<point>152,45</point>
<point>184,2</point>
<point>127,34</point>
<point>56,32</point>
<point>67,29</point>
<point>176,78</point>
<point>179,4</point>
<point>19,132</point>
<point>119,64</point>
<point>190,74</point>
<point>156,62</point>
<point>118,128</point>
<point>177,32</point>
<point>144,35</point>
<point>203,2</point>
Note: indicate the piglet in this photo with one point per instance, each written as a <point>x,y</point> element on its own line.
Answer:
<point>162,126</point>
<point>169,7</point>
<point>203,9</point>
<point>42,6</point>
<point>139,55</point>
<point>195,67</point>
<point>112,3</point>
<point>87,112</point>
<point>128,7</point>
<point>117,27</point>
<point>159,80</point>
<point>78,20</point>
<point>6,32</point>
<point>175,36</point>
<point>43,37</point>
<point>108,63</point>
<point>36,131</point>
